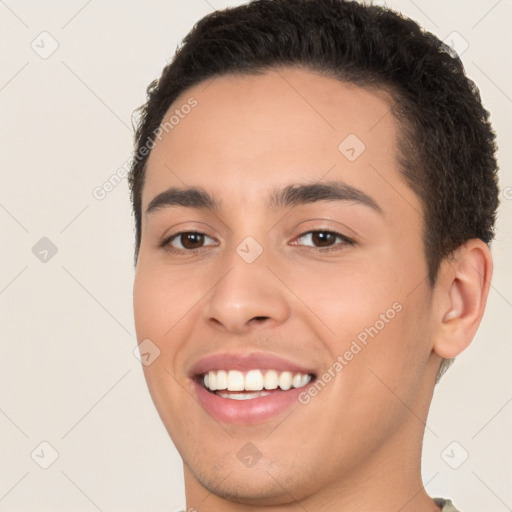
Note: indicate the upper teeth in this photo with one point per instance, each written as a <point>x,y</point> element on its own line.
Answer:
<point>253,380</point>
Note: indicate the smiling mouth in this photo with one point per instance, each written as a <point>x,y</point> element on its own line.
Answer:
<point>238,385</point>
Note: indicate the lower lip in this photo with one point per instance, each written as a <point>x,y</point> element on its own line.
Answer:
<point>247,412</point>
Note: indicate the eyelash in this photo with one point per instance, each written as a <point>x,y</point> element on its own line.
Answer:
<point>167,247</point>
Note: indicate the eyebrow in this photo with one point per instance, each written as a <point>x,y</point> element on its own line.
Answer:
<point>291,195</point>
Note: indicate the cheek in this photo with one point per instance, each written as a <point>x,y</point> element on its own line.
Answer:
<point>146,305</point>
<point>156,310</point>
<point>164,308</point>
<point>370,318</point>
<point>388,370</point>
<point>159,301</point>
<point>346,297</point>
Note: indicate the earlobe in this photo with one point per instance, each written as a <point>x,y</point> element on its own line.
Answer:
<point>462,290</point>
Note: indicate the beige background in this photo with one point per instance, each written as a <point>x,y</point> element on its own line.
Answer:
<point>68,376</point>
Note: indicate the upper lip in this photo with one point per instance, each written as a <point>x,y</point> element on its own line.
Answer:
<point>246,362</point>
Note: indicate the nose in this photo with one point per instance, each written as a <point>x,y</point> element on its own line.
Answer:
<point>248,296</point>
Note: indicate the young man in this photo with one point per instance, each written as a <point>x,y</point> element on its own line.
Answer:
<point>314,188</point>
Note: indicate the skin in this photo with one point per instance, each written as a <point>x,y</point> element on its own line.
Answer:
<point>356,446</point>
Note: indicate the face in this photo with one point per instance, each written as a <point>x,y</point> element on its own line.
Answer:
<point>295,275</point>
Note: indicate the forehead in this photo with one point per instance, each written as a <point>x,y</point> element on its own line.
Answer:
<point>251,133</point>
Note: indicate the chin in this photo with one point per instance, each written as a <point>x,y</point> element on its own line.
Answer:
<point>248,488</point>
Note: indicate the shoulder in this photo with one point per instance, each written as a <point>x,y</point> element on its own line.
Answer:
<point>445,504</point>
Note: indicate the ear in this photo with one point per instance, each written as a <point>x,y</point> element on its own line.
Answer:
<point>461,292</point>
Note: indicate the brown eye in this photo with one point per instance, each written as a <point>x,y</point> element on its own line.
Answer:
<point>186,241</point>
<point>191,240</point>
<point>324,238</point>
